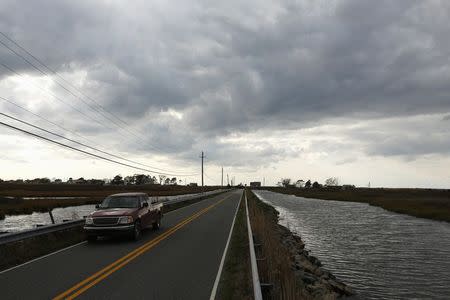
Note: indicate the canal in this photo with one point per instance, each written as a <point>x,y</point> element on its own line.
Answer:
<point>380,254</point>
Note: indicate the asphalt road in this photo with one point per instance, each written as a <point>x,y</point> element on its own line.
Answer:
<point>179,261</point>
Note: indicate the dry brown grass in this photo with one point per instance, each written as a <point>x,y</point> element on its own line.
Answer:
<point>236,279</point>
<point>276,267</point>
<point>91,190</point>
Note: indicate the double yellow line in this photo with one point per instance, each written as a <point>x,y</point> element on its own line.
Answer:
<point>92,280</point>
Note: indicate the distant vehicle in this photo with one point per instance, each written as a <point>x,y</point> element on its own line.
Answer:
<point>123,214</point>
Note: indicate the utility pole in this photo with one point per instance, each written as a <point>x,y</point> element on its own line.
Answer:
<point>202,157</point>
<point>264,181</point>
<point>228,180</point>
<point>222,176</point>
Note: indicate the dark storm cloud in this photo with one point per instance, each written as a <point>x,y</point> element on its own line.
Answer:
<point>232,67</point>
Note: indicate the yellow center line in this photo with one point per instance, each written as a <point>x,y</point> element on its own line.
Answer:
<point>121,262</point>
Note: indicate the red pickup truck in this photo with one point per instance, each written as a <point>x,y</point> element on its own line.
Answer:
<point>125,214</point>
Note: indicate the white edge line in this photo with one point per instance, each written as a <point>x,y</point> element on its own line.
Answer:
<point>255,276</point>
<point>219,273</point>
<point>42,257</point>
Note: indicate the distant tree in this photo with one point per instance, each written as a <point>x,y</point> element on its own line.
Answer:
<point>316,185</point>
<point>141,179</point>
<point>173,181</point>
<point>38,181</point>
<point>300,183</point>
<point>180,182</point>
<point>129,180</point>
<point>96,181</point>
<point>117,180</point>
<point>167,181</point>
<point>80,180</point>
<point>308,184</point>
<point>332,181</point>
<point>285,182</point>
<point>162,178</point>
<point>57,181</point>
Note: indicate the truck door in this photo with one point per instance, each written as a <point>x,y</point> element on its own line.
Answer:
<point>154,211</point>
<point>145,212</point>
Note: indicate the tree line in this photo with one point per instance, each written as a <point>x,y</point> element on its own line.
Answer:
<point>288,182</point>
<point>136,179</point>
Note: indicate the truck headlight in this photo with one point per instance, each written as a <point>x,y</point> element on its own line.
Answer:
<point>89,221</point>
<point>126,220</point>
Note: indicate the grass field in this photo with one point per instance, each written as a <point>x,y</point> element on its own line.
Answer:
<point>275,268</point>
<point>93,193</point>
<point>424,203</point>
<point>236,279</point>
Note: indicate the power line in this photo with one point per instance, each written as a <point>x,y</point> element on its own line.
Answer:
<point>79,150</point>
<point>59,76</point>
<point>56,97</point>
<point>212,179</point>
<point>66,89</point>
<point>46,74</point>
<point>156,170</point>
<point>63,128</point>
<point>42,118</point>
<point>71,85</point>
<point>59,99</point>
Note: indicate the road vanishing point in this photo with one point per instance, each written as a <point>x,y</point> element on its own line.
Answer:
<point>179,261</point>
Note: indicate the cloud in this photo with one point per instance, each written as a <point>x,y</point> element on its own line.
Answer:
<point>240,68</point>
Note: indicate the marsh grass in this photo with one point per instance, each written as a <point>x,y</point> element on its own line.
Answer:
<point>236,279</point>
<point>424,203</point>
<point>276,266</point>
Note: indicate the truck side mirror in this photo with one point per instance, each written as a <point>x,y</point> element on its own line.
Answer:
<point>97,206</point>
<point>145,204</point>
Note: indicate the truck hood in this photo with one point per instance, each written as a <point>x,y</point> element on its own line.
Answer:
<point>113,212</point>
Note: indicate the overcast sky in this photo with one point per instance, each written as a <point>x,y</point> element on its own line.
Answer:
<point>356,89</point>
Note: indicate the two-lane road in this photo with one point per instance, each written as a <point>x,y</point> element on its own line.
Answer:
<point>179,261</point>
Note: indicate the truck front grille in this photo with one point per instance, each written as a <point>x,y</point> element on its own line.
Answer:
<point>106,221</point>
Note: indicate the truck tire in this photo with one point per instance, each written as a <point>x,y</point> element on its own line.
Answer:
<point>157,223</point>
<point>137,231</point>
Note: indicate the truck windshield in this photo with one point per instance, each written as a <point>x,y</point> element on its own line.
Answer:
<point>120,202</point>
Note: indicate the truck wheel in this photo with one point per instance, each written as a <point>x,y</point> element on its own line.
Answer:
<point>137,231</point>
<point>91,238</point>
<point>157,224</point>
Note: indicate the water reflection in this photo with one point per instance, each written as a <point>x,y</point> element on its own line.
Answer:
<point>382,255</point>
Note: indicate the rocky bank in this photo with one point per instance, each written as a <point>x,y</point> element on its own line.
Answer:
<point>319,282</point>
<point>316,281</point>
